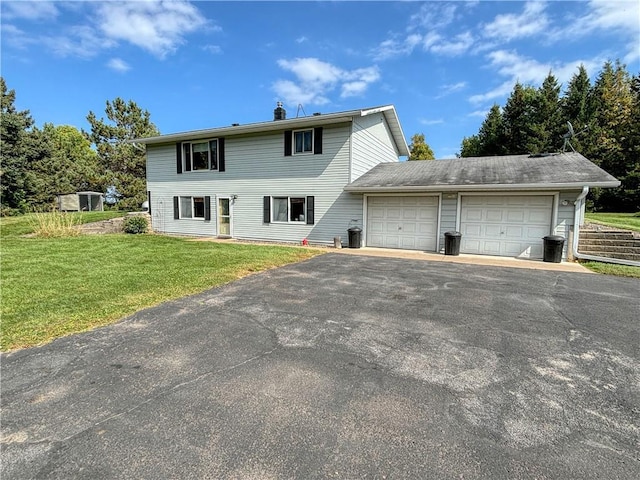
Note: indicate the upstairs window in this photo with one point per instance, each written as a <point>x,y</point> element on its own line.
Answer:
<point>201,155</point>
<point>302,141</point>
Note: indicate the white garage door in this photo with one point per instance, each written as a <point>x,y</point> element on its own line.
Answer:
<point>510,226</point>
<point>402,222</point>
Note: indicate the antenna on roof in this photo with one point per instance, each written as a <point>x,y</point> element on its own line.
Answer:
<point>569,135</point>
<point>300,107</point>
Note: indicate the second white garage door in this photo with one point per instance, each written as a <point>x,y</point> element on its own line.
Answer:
<point>402,222</point>
<point>510,225</point>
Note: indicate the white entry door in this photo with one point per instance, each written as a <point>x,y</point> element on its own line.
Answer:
<point>224,217</point>
<point>402,222</point>
<point>505,225</point>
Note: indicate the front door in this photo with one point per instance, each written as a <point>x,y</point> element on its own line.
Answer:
<point>224,217</point>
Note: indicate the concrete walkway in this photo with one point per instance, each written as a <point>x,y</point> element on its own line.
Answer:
<point>487,260</point>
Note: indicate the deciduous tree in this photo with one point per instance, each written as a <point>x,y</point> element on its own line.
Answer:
<point>419,149</point>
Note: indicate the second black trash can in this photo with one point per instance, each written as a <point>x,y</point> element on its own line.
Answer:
<point>553,248</point>
<point>355,236</point>
<point>452,243</point>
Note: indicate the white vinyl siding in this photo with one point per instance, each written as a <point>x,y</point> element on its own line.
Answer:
<point>505,225</point>
<point>448,209</point>
<point>255,168</point>
<point>372,144</point>
<point>407,222</point>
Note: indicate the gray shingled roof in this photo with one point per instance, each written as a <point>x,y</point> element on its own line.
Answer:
<point>558,170</point>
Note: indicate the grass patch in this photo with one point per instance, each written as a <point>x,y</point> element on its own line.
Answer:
<point>626,221</point>
<point>613,269</point>
<point>57,286</point>
<point>25,224</point>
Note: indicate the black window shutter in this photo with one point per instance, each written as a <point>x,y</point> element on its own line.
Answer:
<point>221,154</point>
<point>207,208</point>
<point>288,136</point>
<point>149,201</point>
<point>266,209</point>
<point>176,208</point>
<point>179,157</point>
<point>310,210</point>
<point>317,140</point>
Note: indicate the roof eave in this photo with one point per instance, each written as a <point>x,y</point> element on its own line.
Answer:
<point>247,129</point>
<point>480,187</point>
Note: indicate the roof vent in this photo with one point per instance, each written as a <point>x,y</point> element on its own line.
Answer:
<point>317,114</point>
<point>279,113</point>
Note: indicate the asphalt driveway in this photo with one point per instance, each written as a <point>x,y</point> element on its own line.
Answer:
<point>343,367</point>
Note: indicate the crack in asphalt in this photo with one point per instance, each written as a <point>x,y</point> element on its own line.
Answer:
<point>160,394</point>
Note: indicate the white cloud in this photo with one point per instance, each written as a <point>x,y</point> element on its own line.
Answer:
<point>79,41</point>
<point>316,79</point>
<point>478,113</point>
<point>118,65</point>
<point>451,88</point>
<point>517,68</point>
<point>156,26</point>
<point>433,15</point>
<point>459,45</point>
<point>532,21</point>
<point>29,10</point>
<point>301,39</point>
<point>613,16</point>
<point>215,49</point>
<point>424,121</point>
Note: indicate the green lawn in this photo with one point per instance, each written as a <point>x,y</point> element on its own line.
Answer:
<point>626,221</point>
<point>613,269</point>
<point>57,286</point>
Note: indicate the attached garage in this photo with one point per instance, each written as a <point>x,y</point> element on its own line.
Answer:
<point>406,222</point>
<point>505,225</point>
<point>502,206</point>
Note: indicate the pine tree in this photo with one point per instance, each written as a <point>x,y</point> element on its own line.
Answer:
<point>124,164</point>
<point>518,119</point>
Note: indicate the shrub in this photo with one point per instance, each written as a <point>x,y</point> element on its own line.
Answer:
<point>55,224</point>
<point>135,224</point>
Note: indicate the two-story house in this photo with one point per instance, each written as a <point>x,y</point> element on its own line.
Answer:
<point>316,176</point>
<point>281,180</point>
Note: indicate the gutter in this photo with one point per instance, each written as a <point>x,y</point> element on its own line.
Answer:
<point>476,187</point>
<point>576,236</point>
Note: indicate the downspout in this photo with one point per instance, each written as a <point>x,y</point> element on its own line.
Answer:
<point>576,235</point>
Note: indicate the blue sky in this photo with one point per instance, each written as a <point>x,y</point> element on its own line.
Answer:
<point>207,64</point>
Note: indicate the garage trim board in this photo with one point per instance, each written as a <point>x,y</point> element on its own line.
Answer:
<point>410,222</point>
<point>506,225</point>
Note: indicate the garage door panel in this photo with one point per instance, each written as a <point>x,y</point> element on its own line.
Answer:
<point>493,215</point>
<point>537,216</point>
<point>511,225</point>
<point>403,222</point>
<point>512,231</point>
<point>515,216</point>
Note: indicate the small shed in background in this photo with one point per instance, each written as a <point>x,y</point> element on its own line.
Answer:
<point>80,202</point>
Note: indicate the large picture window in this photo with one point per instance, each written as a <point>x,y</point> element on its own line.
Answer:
<point>288,209</point>
<point>200,155</point>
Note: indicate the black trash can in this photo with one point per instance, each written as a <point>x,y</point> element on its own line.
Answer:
<point>553,248</point>
<point>355,236</point>
<point>452,243</point>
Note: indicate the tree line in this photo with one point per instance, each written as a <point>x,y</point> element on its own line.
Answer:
<point>605,117</point>
<point>40,163</point>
